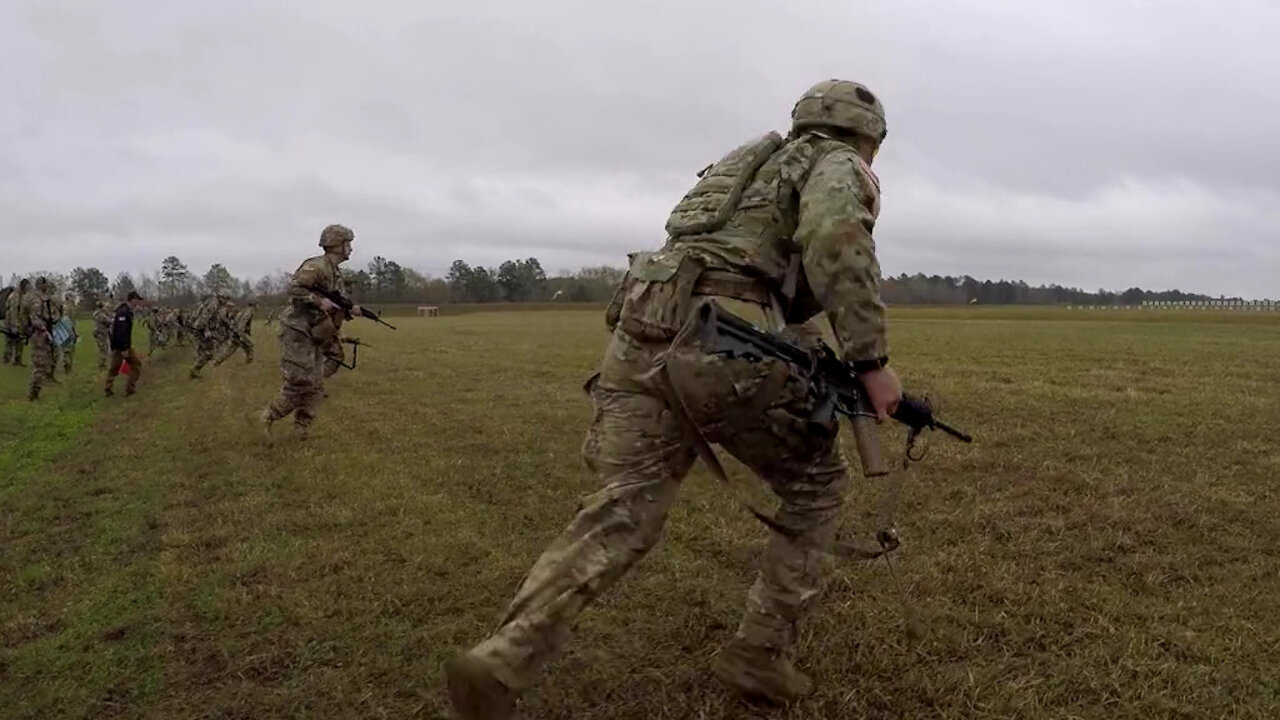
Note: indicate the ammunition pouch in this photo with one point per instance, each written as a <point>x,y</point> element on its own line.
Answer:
<point>728,284</point>
<point>657,295</point>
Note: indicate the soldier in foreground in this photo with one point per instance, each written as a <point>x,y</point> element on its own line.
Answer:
<point>307,326</point>
<point>775,232</point>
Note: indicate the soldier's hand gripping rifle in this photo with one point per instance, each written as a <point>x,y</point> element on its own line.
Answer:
<point>346,304</point>
<point>838,388</point>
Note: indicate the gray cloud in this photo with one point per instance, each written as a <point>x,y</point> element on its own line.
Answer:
<point>1095,143</point>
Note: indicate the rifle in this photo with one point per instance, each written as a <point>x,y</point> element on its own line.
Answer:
<point>838,388</point>
<point>346,304</point>
<point>839,391</point>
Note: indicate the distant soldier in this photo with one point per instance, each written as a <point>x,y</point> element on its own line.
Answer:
<point>241,337</point>
<point>121,341</point>
<point>159,329</point>
<point>209,325</point>
<point>14,339</point>
<point>775,232</point>
<point>36,320</point>
<point>307,327</point>
<point>178,320</point>
<point>102,318</point>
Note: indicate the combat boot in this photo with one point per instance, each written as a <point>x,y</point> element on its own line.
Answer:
<point>300,432</point>
<point>760,673</point>
<point>195,375</point>
<point>475,690</point>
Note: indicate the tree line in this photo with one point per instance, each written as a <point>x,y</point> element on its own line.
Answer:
<point>525,280</point>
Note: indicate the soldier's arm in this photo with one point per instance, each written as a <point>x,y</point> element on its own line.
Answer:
<point>303,277</point>
<point>838,207</point>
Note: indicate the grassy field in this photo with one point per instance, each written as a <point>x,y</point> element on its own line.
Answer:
<point>1108,548</point>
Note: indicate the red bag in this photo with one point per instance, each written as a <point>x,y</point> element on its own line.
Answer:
<point>124,367</point>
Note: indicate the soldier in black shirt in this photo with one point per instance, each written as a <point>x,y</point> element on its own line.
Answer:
<point>121,345</point>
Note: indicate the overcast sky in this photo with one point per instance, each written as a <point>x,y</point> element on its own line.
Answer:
<point>1095,143</point>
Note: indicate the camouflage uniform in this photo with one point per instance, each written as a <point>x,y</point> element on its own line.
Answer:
<point>102,317</point>
<point>210,326</point>
<point>36,319</point>
<point>775,232</point>
<point>306,331</point>
<point>241,337</point>
<point>14,343</point>
<point>158,329</point>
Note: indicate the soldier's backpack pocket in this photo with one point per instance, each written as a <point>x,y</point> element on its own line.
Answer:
<point>658,295</point>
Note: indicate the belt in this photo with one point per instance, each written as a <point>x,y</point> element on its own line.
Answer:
<point>730,284</point>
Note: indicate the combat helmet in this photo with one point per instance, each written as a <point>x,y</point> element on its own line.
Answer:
<point>334,235</point>
<point>840,104</point>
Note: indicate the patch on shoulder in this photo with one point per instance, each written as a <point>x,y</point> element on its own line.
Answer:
<point>867,169</point>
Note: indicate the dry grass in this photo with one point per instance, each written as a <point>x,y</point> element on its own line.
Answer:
<point>1107,549</point>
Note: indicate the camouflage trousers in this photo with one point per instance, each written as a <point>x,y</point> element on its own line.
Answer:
<point>640,450</point>
<point>104,349</point>
<point>41,362</point>
<point>334,357</point>
<point>13,349</point>
<point>234,343</point>
<point>300,373</point>
<point>113,369</point>
<point>206,346</point>
<point>68,357</point>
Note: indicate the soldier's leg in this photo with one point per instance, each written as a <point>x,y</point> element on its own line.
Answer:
<point>227,351</point>
<point>810,477</point>
<point>299,377</point>
<point>113,369</point>
<point>637,449</point>
<point>247,344</point>
<point>18,347</point>
<point>104,352</point>
<point>8,349</point>
<point>68,356</point>
<point>41,359</point>
<point>135,372</point>
<point>204,353</point>
<point>55,356</point>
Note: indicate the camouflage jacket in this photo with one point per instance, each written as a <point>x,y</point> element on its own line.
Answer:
<point>13,310</point>
<point>242,323</point>
<point>304,310</point>
<point>210,317</point>
<point>809,196</point>
<point>35,314</point>
<point>102,318</point>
